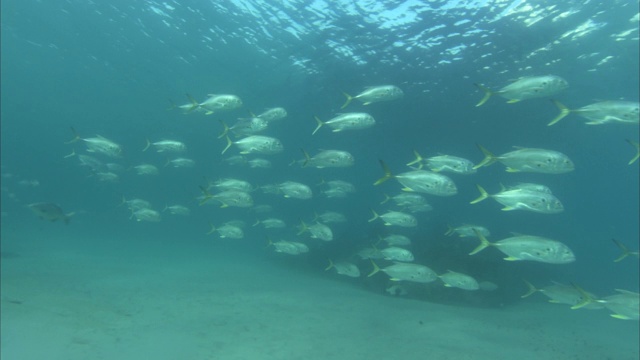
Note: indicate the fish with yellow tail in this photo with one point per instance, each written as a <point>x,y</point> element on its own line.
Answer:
<point>625,251</point>
<point>347,121</point>
<point>521,199</point>
<point>637,146</point>
<point>421,181</point>
<point>602,112</point>
<point>625,305</point>
<point>529,248</point>
<point>375,94</point>
<point>526,88</point>
<point>529,160</point>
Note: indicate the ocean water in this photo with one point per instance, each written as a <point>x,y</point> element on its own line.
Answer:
<point>115,68</point>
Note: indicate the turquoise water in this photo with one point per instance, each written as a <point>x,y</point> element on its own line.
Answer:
<point>114,70</point>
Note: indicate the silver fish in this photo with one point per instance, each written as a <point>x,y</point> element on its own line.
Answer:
<point>530,160</point>
<point>344,268</point>
<point>518,199</point>
<point>273,114</point>
<point>445,163</point>
<point>146,169</point>
<point>421,181</point>
<point>407,272</point>
<point>375,94</point>
<point>527,88</point>
<point>458,280</point>
<point>50,212</point>
<point>527,247</point>
<point>216,103</point>
<point>627,112</point>
<point>171,146</point>
<point>256,144</point>
<point>396,218</point>
<point>348,121</point>
<point>329,158</point>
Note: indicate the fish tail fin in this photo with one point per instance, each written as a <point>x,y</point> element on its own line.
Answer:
<point>489,157</point>
<point>625,250</point>
<point>564,111</point>
<point>483,195</point>
<point>418,159</point>
<point>375,270</point>
<point>586,298</point>
<point>315,216</point>
<point>194,103</point>
<point>213,229</point>
<point>303,227</point>
<point>450,230</point>
<point>487,94</point>
<point>483,243</point>
<point>67,217</point>
<point>207,195</point>
<point>346,103</point>
<point>330,265</point>
<point>530,289</point>
<point>306,158</point>
<point>269,242</point>
<point>73,153</point>
<point>375,215</point>
<point>76,137</point>
<point>225,130</point>
<point>256,223</point>
<point>320,123</point>
<point>124,201</point>
<point>386,199</point>
<point>637,146</point>
<point>148,144</point>
<point>377,242</point>
<point>229,143</point>
<point>387,174</point>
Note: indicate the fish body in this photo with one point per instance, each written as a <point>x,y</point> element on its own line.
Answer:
<point>395,253</point>
<point>228,231</point>
<point>427,182</point>
<point>396,218</point>
<point>531,248</point>
<point>375,94</point>
<point>290,247</point>
<point>563,294</point>
<point>103,146</point>
<point>370,253</point>
<point>530,160</point>
<point>273,114</point>
<point>259,163</point>
<point>222,102</point>
<point>50,212</point>
<point>344,268</point>
<point>171,146</point>
<point>178,210</point>
<point>296,190</point>
<point>347,121</point>
<point>181,163</point>
<point>602,112</point>
<point>397,240</point>
<point>458,280</point>
<point>625,305</point>
<point>246,127</point>
<point>146,169</point>
<point>146,214</point>
<point>332,217</point>
<point>407,272</point>
<point>527,88</point>
<point>94,164</point>
<point>329,158</point>
<point>233,184</point>
<point>468,230</point>
<point>272,223</point>
<point>518,199</point>
<point>256,144</point>
<point>235,198</point>
<point>444,163</point>
<point>317,231</point>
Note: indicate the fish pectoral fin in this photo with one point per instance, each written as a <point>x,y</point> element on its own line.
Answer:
<point>511,170</point>
<point>508,208</point>
<point>513,101</point>
<point>621,317</point>
<point>511,258</point>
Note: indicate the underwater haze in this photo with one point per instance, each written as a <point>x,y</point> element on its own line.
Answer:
<point>151,264</point>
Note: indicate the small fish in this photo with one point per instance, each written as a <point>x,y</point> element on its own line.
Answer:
<point>271,223</point>
<point>146,169</point>
<point>406,272</point>
<point>562,294</point>
<point>256,144</point>
<point>216,102</point>
<point>396,218</point>
<point>101,145</point>
<point>518,199</point>
<point>348,121</point>
<point>406,199</point>
<point>181,163</point>
<point>296,190</point>
<point>273,114</point>
<point>289,247</point>
<point>107,176</point>
<point>527,88</point>
<point>177,210</point>
<point>259,163</point>
<point>627,112</point>
<point>625,305</point>
<point>370,253</point>
<point>228,230</point>
<point>232,184</point>
<point>235,198</point>
<point>530,160</point>
<point>445,163</point>
<point>171,146</point>
<point>135,204</point>
<point>331,217</point>
<point>421,181</point>
<point>527,247</point>
<point>50,212</point>
<point>394,253</point>
<point>245,127</point>
<point>467,230</point>
<point>317,231</point>
<point>396,240</point>
<point>344,268</point>
<point>329,158</point>
<point>458,280</point>
<point>146,214</point>
<point>375,94</point>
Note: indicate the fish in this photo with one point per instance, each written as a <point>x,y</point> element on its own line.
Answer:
<point>370,253</point>
<point>171,146</point>
<point>226,184</point>
<point>256,144</point>
<point>271,223</point>
<point>338,188</point>
<point>245,127</point>
<point>637,146</point>
<point>146,169</point>
<point>421,181</point>
<point>50,212</point>
<point>562,294</point>
<point>344,268</point>
<point>527,247</point>
<point>405,199</point>
<point>180,163</point>
<point>625,305</point>
<point>467,230</point>
<point>518,199</point>
<point>527,88</point>
<point>296,190</point>
<point>530,187</point>
<point>530,160</point>
<point>459,280</point>
<point>216,102</point>
<point>347,121</point>
<point>396,240</point>
<point>227,230</point>
<point>235,198</point>
<point>396,218</point>
<point>145,214</point>
<point>102,145</point>
<point>602,112</point>
<point>135,204</point>
<point>394,253</point>
<point>329,158</point>
<point>259,163</point>
<point>406,272</point>
<point>107,176</point>
<point>289,247</point>
<point>625,251</point>
<point>317,231</point>
<point>331,217</point>
<point>177,210</point>
<point>273,114</point>
<point>445,163</point>
<point>375,94</point>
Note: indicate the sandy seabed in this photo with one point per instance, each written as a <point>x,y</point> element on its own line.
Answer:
<point>106,303</point>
